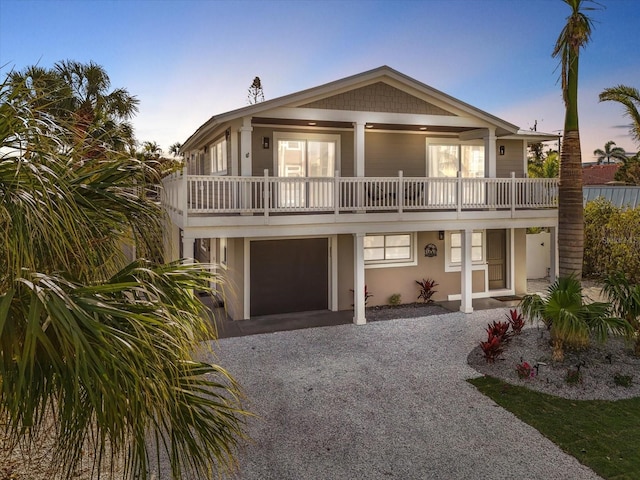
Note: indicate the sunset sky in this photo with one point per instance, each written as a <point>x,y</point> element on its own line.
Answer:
<point>187,60</point>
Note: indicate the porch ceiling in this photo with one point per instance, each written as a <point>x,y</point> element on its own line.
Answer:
<point>370,126</point>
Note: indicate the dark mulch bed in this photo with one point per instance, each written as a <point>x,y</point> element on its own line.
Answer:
<point>408,310</point>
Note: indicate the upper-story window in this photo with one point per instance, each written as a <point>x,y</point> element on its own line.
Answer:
<point>218,157</point>
<point>446,159</point>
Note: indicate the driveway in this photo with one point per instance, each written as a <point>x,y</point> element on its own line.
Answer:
<point>381,401</point>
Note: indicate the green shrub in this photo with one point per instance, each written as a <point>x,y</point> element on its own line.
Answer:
<point>395,299</point>
<point>611,240</point>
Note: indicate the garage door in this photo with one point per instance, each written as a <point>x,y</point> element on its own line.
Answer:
<point>289,276</point>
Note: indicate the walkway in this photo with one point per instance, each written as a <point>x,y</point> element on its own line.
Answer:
<point>381,401</point>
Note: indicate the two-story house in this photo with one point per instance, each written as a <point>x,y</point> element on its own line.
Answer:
<point>373,181</point>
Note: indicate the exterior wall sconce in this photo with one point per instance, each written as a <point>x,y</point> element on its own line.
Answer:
<point>501,149</point>
<point>430,250</point>
<point>265,142</point>
<point>441,235</point>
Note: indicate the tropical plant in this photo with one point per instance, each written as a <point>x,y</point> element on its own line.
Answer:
<point>549,167</point>
<point>492,348</point>
<point>516,321</point>
<point>575,35</point>
<point>79,99</point>
<point>624,297</point>
<point>499,330</point>
<point>610,151</point>
<point>629,97</point>
<point>629,171</point>
<point>525,370</point>
<point>174,149</point>
<point>102,349</point>
<point>571,320</point>
<point>427,289</point>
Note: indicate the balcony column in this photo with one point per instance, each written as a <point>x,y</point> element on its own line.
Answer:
<point>358,145</point>
<point>245,147</point>
<point>466,271</point>
<point>188,252</point>
<point>358,279</point>
<point>490,153</point>
<point>245,161</point>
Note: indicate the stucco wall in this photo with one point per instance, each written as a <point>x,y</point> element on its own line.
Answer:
<point>520,247</point>
<point>233,275</point>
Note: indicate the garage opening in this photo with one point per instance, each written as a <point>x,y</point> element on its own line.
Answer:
<point>290,275</point>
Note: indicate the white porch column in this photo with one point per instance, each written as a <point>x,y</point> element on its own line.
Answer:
<point>245,147</point>
<point>188,248</point>
<point>358,279</point>
<point>466,272</point>
<point>358,154</point>
<point>490,153</point>
<point>233,138</point>
<point>553,257</point>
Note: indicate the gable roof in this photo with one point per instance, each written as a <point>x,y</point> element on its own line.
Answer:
<point>434,101</point>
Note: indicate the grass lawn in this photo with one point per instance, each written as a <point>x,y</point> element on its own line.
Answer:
<point>604,435</point>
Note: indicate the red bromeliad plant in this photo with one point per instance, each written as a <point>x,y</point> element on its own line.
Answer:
<point>525,370</point>
<point>516,320</point>
<point>498,329</point>
<point>492,348</point>
<point>427,289</point>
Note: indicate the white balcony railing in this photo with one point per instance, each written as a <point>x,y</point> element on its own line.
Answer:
<point>203,194</point>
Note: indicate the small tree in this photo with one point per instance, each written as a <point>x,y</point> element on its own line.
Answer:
<point>609,152</point>
<point>256,92</point>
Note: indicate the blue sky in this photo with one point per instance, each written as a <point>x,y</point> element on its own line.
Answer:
<point>187,60</point>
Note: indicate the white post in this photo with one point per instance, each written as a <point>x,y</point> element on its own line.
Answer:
<point>459,196</point>
<point>183,196</point>
<point>265,192</point>
<point>188,253</point>
<point>513,194</point>
<point>400,195</point>
<point>358,279</point>
<point>490,153</point>
<point>553,240</point>
<point>336,193</point>
<point>245,161</point>
<point>358,156</point>
<point>466,284</point>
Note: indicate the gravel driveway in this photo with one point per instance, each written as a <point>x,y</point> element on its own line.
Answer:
<point>380,401</point>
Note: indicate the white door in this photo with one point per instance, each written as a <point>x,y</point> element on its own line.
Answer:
<point>308,166</point>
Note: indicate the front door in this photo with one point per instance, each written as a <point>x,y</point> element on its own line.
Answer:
<point>496,258</point>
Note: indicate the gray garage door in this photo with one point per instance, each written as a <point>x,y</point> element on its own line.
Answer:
<point>289,276</point>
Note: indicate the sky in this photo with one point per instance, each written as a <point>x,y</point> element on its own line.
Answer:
<point>186,60</point>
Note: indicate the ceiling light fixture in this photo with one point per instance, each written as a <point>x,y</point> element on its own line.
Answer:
<point>423,128</point>
<point>312,124</point>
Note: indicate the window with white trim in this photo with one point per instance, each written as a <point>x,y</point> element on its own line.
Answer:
<point>218,157</point>
<point>454,248</point>
<point>391,249</point>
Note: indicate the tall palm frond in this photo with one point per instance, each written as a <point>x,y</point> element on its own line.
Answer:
<point>103,347</point>
<point>610,151</point>
<point>629,97</point>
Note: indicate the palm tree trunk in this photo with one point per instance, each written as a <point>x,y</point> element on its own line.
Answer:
<point>570,206</point>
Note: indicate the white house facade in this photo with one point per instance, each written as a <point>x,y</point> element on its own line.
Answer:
<point>369,182</point>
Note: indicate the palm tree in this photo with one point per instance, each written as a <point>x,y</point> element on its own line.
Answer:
<point>629,171</point>
<point>78,96</point>
<point>174,149</point>
<point>549,168</point>
<point>629,97</point>
<point>610,151</point>
<point>625,299</point>
<point>575,35</point>
<point>569,318</point>
<point>101,348</point>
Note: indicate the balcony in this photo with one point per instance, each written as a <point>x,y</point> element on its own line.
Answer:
<point>200,195</point>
